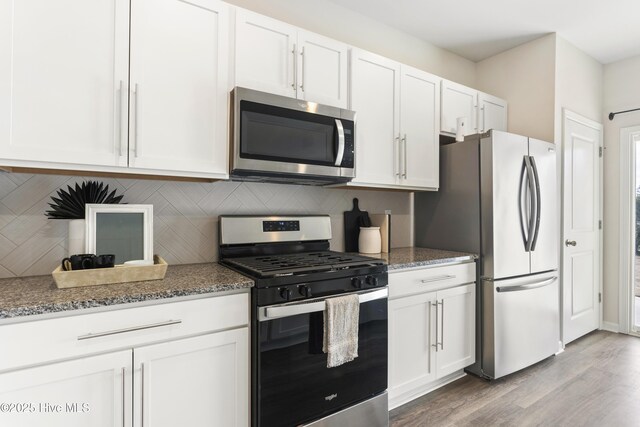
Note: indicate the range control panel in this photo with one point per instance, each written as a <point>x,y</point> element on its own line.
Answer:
<point>268,226</point>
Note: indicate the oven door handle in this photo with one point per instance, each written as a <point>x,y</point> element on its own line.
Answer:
<point>293,309</point>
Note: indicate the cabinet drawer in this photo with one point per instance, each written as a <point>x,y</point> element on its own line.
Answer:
<point>429,279</point>
<point>77,335</point>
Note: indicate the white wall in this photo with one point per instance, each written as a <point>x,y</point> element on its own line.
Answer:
<point>621,92</point>
<point>525,77</point>
<point>335,21</point>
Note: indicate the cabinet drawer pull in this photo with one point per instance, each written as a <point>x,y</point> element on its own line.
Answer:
<point>438,278</point>
<point>131,329</point>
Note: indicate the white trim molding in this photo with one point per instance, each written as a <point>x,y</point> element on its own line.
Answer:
<point>610,326</point>
<point>628,137</point>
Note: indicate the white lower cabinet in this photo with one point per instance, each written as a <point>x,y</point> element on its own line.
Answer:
<point>193,382</point>
<point>431,329</point>
<point>197,375</point>
<point>90,391</point>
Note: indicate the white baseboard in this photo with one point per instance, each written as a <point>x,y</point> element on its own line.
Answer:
<point>610,326</point>
<point>396,400</point>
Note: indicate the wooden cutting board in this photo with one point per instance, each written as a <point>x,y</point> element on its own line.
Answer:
<point>352,227</point>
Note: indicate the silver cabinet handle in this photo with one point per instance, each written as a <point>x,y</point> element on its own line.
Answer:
<point>295,68</point>
<point>438,278</point>
<point>340,153</point>
<point>397,139</point>
<point>313,305</point>
<point>404,144</point>
<point>123,399</point>
<point>142,394</point>
<point>475,108</point>
<point>119,109</point>
<point>442,324</point>
<point>302,77</point>
<point>482,123</point>
<point>131,329</point>
<point>570,243</point>
<point>436,343</point>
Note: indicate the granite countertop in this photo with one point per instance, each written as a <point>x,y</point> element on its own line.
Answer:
<point>400,258</point>
<point>25,296</point>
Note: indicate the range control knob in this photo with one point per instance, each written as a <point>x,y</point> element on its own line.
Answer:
<point>356,282</point>
<point>304,290</point>
<point>285,293</point>
<point>372,281</point>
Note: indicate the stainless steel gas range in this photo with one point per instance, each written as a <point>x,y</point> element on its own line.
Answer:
<point>295,272</point>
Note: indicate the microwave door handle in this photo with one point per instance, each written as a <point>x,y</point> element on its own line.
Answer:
<point>340,153</point>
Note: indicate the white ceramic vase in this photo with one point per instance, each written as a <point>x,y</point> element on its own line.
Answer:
<point>76,236</point>
<point>369,241</point>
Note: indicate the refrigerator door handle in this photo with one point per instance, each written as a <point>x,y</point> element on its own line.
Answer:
<point>527,286</point>
<point>522,196</point>
<point>532,205</point>
<point>537,204</point>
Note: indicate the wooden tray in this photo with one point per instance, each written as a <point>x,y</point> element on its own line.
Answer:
<point>107,276</point>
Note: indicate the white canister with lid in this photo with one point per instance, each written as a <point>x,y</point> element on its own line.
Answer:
<point>369,241</point>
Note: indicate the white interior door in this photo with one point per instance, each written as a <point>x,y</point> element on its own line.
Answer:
<point>581,242</point>
<point>179,82</point>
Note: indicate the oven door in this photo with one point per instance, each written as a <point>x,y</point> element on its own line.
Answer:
<point>281,135</point>
<point>294,385</point>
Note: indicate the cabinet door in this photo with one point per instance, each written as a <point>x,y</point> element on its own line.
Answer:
<point>322,70</point>
<point>266,54</point>
<point>457,334</point>
<point>375,97</point>
<point>492,113</point>
<point>411,344</point>
<point>63,75</point>
<point>458,101</point>
<point>201,381</point>
<point>91,391</point>
<point>419,124</point>
<point>179,60</point>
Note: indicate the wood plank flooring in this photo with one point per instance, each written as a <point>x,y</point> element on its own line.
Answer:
<point>594,382</point>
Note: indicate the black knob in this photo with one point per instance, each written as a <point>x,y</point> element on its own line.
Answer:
<point>304,290</point>
<point>356,282</point>
<point>372,281</point>
<point>285,294</point>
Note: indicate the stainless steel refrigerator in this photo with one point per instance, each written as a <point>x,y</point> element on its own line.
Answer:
<point>498,198</point>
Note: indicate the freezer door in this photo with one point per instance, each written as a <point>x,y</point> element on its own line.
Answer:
<point>520,322</point>
<point>505,205</point>
<point>544,249</point>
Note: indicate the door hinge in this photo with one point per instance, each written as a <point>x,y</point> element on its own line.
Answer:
<point>600,224</point>
<point>600,149</point>
<point>599,297</point>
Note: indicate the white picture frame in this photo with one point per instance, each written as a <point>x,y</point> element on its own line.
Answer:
<point>91,225</point>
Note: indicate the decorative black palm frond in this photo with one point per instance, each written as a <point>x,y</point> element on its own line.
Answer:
<point>70,203</point>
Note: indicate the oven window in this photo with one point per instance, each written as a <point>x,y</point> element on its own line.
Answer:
<point>295,385</point>
<point>280,134</point>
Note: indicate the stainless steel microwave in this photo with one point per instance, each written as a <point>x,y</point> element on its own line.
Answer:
<point>280,139</point>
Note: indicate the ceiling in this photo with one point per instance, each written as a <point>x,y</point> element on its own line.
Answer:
<point>477,29</point>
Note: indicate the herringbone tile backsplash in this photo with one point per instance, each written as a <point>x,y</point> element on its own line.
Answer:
<point>185,215</point>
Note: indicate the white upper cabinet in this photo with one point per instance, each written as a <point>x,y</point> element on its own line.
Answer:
<point>178,103</point>
<point>376,100</point>
<point>275,57</point>
<point>322,69</point>
<point>419,115</point>
<point>265,57</point>
<point>397,112</point>
<point>63,74</point>
<point>492,113</point>
<point>458,101</point>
